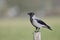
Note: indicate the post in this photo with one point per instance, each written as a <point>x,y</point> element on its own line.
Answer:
<point>37,35</point>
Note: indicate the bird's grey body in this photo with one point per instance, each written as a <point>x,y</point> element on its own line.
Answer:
<point>37,23</point>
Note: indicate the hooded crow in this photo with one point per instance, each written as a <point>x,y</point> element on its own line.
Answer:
<point>37,23</point>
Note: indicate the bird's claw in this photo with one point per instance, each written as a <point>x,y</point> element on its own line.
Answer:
<point>36,31</point>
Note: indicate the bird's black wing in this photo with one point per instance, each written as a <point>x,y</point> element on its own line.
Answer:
<point>41,22</point>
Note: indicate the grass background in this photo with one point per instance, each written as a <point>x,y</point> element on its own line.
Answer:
<point>21,29</point>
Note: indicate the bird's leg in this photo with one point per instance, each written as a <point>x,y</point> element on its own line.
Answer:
<point>36,29</point>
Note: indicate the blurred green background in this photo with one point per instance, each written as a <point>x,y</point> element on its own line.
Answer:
<point>21,29</point>
<point>15,23</point>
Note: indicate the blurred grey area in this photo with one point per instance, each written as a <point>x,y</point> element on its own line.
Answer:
<point>20,8</point>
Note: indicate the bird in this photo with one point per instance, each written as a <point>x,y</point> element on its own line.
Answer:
<point>37,23</point>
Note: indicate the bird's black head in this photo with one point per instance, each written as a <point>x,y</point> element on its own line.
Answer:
<point>31,13</point>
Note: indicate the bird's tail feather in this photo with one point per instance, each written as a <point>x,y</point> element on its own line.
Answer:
<point>49,27</point>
